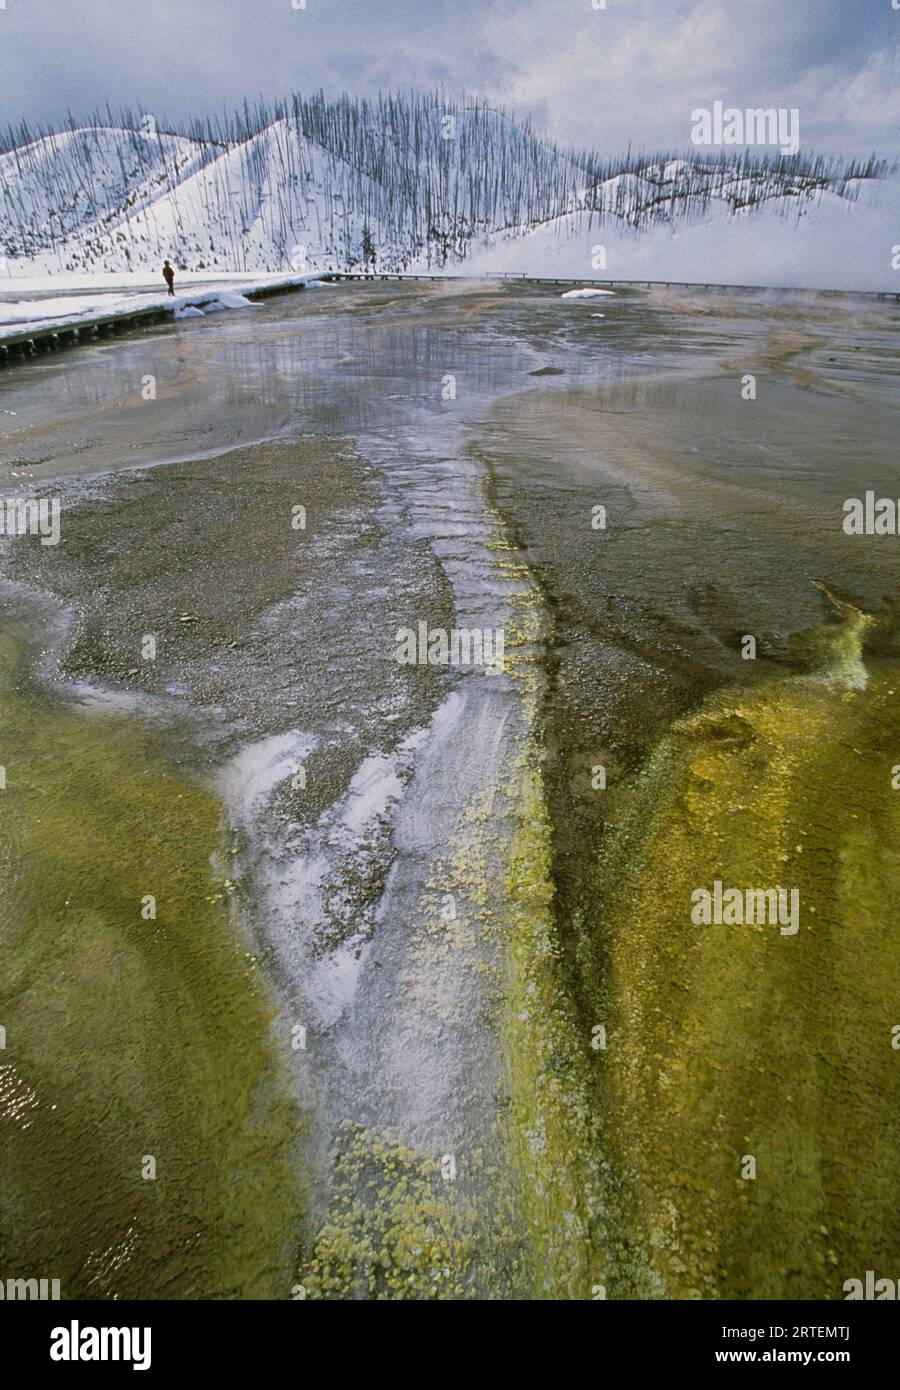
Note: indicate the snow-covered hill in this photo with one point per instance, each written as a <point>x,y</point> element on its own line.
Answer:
<point>822,242</point>
<point>98,199</point>
<point>409,183</point>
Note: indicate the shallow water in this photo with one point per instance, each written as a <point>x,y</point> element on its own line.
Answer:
<point>417,855</point>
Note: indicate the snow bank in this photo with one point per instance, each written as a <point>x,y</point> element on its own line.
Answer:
<point>225,299</point>
<point>585,294</point>
<point>824,243</point>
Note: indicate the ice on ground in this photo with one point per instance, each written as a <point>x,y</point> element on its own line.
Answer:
<point>584,294</point>
<point>227,299</point>
<point>249,779</point>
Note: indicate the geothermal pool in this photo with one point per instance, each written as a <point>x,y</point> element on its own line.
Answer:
<point>332,975</point>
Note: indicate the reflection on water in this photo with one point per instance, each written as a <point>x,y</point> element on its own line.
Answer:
<point>363,357</point>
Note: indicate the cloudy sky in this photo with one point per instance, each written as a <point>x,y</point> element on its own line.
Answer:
<point>632,72</point>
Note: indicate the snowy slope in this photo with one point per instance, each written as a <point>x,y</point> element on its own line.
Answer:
<point>316,187</point>
<point>272,202</point>
<point>825,242</point>
<point>83,182</point>
<point>420,183</point>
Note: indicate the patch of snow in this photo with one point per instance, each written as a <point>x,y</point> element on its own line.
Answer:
<point>227,299</point>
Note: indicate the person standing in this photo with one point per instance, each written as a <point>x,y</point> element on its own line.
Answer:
<point>169,277</point>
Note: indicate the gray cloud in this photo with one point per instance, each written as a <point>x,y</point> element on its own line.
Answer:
<point>630,73</point>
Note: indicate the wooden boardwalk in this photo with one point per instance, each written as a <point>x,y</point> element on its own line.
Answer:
<point>22,344</point>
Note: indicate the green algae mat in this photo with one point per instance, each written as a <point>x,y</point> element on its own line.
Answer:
<point>751,1083</point>
<point>145,1135</point>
